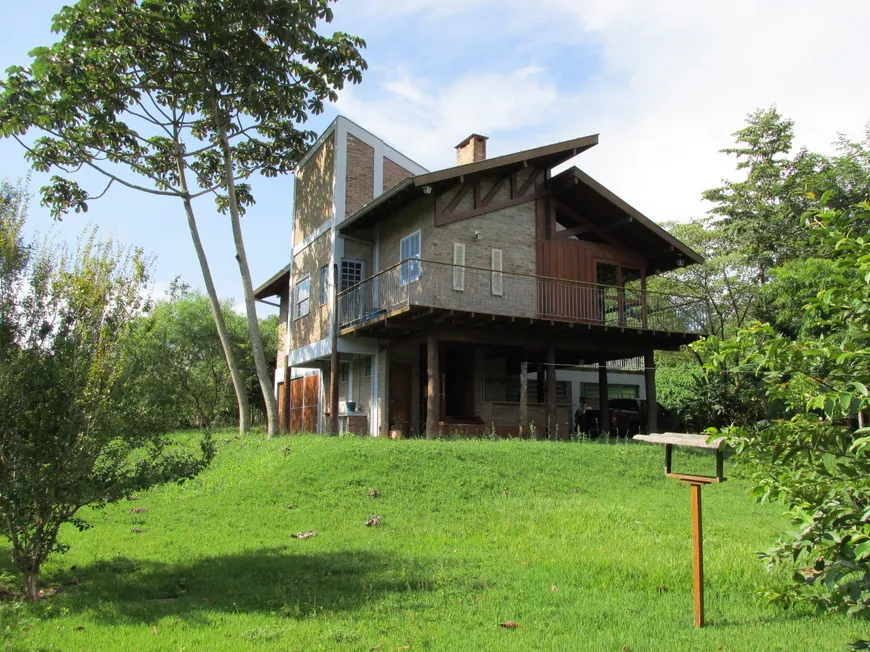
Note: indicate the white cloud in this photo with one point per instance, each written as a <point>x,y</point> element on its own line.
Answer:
<point>673,81</point>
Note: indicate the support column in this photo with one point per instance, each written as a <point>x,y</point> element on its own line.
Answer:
<point>652,406</point>
<point>285,402</point>
<point>604,404</point>
<point>333,362</point>
<point>433,387</point>
<point>524,399</point>
<point>552,416</point>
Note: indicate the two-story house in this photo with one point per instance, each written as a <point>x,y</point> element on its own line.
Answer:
<point>457,287</point>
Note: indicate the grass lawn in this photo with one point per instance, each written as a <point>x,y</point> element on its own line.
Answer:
<point>587,546</point>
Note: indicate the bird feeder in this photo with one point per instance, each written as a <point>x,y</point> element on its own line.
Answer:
<point>671,439</point>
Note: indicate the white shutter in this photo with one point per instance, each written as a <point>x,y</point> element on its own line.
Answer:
<point>458,266</point>
<point>497,276</point>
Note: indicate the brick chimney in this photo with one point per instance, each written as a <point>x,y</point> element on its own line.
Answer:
<point>471,150</point>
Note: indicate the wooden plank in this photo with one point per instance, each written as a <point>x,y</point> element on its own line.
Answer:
<point>682,439</point>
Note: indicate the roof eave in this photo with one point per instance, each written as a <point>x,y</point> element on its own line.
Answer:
<point>272,287</point>
<point>678,245</point>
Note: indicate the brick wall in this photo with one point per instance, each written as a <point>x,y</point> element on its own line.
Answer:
<point>313,191</point>
<point>283,311</point>
<point>314,326</point>
<point>417,216</point>
<point>393,173</point>
<point>360,174</point>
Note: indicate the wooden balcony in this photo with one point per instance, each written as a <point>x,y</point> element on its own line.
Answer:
<point>409,293</point>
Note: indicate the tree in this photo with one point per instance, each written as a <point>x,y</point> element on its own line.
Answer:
<point>814,459</point>
<point>758,213</point>
<point>77,426</point>
<point>193,97</point>
<point>184,361</point>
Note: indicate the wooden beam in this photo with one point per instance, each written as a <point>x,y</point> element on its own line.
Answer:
<point>494,190</point>
<point>445,218</point>
<point>652,408</point>
<point>433,389</point>
<point>456,199</point>
<point>528,183</point>
<point>603,402</point>
<point>585,221</point>
<point>552,416</point>
<point>524,399</point>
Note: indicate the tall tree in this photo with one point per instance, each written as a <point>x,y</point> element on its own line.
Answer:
<point>193,97</point>
<point>758,212</point>
<point>76,427</point>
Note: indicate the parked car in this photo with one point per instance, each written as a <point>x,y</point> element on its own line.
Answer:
<point>627,416</point>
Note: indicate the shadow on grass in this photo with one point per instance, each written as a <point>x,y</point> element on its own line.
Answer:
<point>293,583</point>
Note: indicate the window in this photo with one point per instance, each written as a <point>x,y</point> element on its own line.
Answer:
<point>497,276</point>
<point>345,371</point>
<point>351,273</point>
<point>590,390</point>
<point>369,367</point>
<point>324,284</point>
<point>303,291</point>
<point>409,250</point>
<point>458,266</point>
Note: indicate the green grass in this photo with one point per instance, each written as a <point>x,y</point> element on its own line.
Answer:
<point>474,533</point>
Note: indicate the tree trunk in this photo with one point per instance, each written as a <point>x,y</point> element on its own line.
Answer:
<point>217,313</point>
<point>247,286</point>
<point>31,579</point>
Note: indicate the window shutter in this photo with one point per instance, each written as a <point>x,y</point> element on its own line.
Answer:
<point>458,266</point>
<point>497,276</point>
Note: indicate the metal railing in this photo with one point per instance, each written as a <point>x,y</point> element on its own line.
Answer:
<point>471,289</point>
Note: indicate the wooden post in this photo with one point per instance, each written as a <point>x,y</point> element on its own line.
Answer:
<point>652,406</point>
<point>539,382</point>
<point>698,554</point>
<point>552,418</point>
<point>285,403</point>
<point>433,391</point>
<point>603,401</point>
<point>333,362</point>
<point>524,399</point>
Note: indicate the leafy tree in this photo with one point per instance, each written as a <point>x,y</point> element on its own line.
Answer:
<point>77,426</point>
<point>193,98</point>
<point>758,213</point>
<point>814,460</point>
<point>180,349</point>
<point>791,286</point>
<point>722,280</point>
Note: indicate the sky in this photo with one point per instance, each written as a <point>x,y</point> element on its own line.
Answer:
<point>665,84</point>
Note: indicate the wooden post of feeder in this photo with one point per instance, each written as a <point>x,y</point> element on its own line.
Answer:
<point>697,555</point>
<point>695,482</point>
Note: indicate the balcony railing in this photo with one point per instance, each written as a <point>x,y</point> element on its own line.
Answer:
<point>444,286</point>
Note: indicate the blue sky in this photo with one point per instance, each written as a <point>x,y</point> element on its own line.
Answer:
<point>664,83</point>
